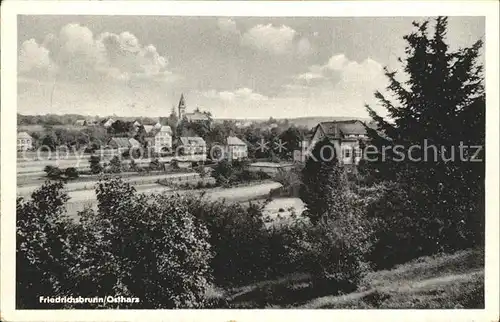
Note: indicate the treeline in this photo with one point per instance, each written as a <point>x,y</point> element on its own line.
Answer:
<point>70,119</point>
<point>96,137</point>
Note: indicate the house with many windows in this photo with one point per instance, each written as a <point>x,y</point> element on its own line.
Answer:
<point>24,141</point>
<point>191,145</point>
<point>159,138</point>
<point>345,136</point>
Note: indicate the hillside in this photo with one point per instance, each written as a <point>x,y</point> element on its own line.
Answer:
<point>443,281</point>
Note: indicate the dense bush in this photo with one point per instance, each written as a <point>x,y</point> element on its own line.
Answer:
<point>71,173</point>
<point>409,226</point>
<point>149,247</point>
<point>46,249</point>
<point>95,164</point>
<point>115,165</point>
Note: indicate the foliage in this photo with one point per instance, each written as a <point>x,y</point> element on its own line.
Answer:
<point>155,165</point>
<point>95,164</point>
<point>323,179</point>
<point>71,173</point>
<point>150,247</point>
<point>222,172</point>
<point>115,165</point>
<point>441,105</point>
<point>46,249</point>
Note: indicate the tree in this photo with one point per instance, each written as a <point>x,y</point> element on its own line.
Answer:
<point>324,181</point>
<point>223,171</point>
<point>441,104</point>
<point>44,253</point>
<point>115,165</point>
<point>71,173</point>
<point>95,164</point>
<point>291,138</point>
<point>53,172</point>
<point>149,247</point>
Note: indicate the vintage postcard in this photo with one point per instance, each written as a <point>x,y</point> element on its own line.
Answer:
<point>237,161</point>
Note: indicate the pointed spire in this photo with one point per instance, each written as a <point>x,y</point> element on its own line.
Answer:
<point>182,107</point>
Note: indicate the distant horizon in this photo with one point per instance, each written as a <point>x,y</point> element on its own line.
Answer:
<point>215,118</point>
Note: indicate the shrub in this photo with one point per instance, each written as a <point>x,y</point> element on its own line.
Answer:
<point>45,252</point>
<point>53,172</point>
<point>115,165</point>
<point>71,173</point>
<point>150,247</point>
<point>95,164</point>
<point>159,251</point>
<point>155,165</point>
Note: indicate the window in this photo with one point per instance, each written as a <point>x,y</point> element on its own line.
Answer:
<point>347,153</point>
<point>357,152</point>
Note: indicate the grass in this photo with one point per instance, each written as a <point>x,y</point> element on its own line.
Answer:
<point>446,281</point>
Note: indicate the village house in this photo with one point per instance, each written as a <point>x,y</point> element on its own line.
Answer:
<point>108,123</point>
<point>191,145</point>
<point>344,135</point>
<point>160,139</point>
<point>24,141</point>
<point>123,144</point>
<point>236,149</point>
<point>136,124</point>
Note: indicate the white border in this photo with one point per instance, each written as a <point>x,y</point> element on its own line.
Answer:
<point>10,9</point>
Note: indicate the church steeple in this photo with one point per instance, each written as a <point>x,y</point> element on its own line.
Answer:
<point>182,107</point>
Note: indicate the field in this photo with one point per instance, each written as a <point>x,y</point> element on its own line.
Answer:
<point>446,281</point>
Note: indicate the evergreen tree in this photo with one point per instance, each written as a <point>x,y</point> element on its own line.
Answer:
<point>324,181</point>
<point>437,109</point>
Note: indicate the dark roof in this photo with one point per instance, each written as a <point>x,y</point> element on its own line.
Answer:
<point>124,142</point>
<point>343,128</point>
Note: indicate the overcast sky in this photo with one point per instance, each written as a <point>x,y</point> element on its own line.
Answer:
<point>233,67</point>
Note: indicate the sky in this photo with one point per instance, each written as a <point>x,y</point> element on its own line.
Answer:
<point>241,67</point>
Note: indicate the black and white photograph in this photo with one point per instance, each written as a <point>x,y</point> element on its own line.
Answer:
<point>202,161</point>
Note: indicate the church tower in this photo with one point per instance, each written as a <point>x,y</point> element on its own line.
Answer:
<point>182,107</point>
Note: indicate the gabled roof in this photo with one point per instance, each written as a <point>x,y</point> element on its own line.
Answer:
<point>338,129</point>
<point>163,128</point>
<point>192,140</point>
<point>124,142</point>
<point>233,140</point>
<point>23,135</point>
<point>148,128</point>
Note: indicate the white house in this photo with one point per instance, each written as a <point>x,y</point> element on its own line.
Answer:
<point>109,122</point>
<point>80,122</point>
<point>192,145</point>
<point>24,141</point>
<point>160,139</point>
<point>236,149</point>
